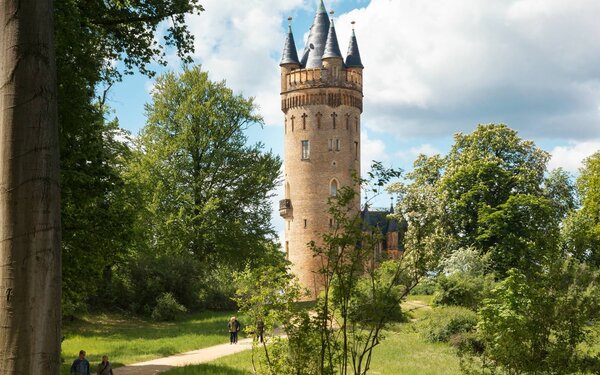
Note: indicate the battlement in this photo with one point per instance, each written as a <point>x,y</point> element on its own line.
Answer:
<point>317,77</point>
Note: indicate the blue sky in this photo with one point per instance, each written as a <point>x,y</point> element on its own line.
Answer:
<point>432,68</point>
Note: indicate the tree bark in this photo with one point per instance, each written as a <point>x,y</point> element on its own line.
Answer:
<point>30,254</point>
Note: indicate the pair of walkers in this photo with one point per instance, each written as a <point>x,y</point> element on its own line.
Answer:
<point>81,366</point>
<point>234,327</point>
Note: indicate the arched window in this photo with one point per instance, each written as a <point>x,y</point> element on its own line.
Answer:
<point>287,190</point>
<point>333,188</point>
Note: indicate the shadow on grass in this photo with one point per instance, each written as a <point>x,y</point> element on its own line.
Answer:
<point>127,327</point>
<point>206,369</point>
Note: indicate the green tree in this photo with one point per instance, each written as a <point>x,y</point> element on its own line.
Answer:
<point>482,170</point>
<point>532,326</point>
<point>489,193</point>
<point>29,191</point>
<point>96,43</point>
<point>582,227</point>
<point>205,191</point>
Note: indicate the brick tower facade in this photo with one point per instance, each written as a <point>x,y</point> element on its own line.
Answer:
<point>321,98</point>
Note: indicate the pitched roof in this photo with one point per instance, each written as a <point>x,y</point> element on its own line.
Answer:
<point>317,37</point>
<point>289,55</point>
<point>332,48</point>
<point>353,56</point>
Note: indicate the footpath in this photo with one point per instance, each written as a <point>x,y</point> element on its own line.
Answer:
<point>194,357</point>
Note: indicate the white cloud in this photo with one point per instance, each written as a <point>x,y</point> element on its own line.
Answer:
<point>411,154</point>
<point>371,150</point>
<point>434,67</point>
<point>241,42</point>
<point>570,157</point>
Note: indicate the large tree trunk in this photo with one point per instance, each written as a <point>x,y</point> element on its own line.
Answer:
<point>30,278</point>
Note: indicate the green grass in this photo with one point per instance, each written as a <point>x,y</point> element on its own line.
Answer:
<point>132,339</point>
<point>402,352</point>
<point>236,364</point>
<point>405,352</point>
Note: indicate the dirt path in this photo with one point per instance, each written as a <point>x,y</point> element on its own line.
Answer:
<point>195,357</point>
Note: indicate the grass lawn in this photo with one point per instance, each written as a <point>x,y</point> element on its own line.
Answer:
<point>132,339</point>
<point>402,352</point>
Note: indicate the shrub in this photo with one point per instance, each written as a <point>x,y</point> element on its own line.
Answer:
<point>444,322</point>
<point>461,289</point>
<point>167,308</point>
<point>425,287</point>
<point>136,284</point>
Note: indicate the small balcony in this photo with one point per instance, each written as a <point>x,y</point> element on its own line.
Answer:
<point>285,208</point>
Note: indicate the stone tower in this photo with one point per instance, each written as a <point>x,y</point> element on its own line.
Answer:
<point>321,97</point>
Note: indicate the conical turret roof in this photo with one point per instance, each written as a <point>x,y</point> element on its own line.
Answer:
<point>289,55</point>
<point>332,48</point>
<point>353,56</point>
<point>317,37</point>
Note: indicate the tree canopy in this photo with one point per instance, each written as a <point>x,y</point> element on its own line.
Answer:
<point>206,191</point>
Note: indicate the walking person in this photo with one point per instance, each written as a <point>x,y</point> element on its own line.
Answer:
<point>80,366</point>
<point>234,328</point>
<point>260,329</point>
<point>104,368</point>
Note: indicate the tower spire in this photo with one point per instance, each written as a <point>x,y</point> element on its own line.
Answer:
<point>289,55</point>
<point>353,56</point>
<point>317,37</point>
<point>332,48</point>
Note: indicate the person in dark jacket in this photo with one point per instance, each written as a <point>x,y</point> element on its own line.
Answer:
<point>234,328</point>
<point>260,329</point>
<point>104,368</point>
<point>80,366</point>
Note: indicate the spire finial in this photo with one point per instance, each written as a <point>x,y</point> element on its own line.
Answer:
<point>290,23</point>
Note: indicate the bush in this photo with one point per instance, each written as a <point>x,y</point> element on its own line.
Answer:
<point>461,289</point>
<point>217,291</point>
<point>137,284</point>
<point>445,322</point>
<point>167,308</point>
<point>425,287</point>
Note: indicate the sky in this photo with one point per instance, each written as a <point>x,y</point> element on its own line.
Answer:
<point>432,68</point>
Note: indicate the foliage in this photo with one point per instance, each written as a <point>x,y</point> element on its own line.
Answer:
<point>270,294</point>
<point>483,170</point>
<point>205,191</point>
<point>444,322</point>
<point>97,215</point>
<point>522,232</point>
<point>138,282</point>
<point>582,227</point>
<point>92,38</point>
<point>490,194</point>
<point>167,308</point>
<point>462,289</point>
<point>426,286</point>
<point>538,325</point>
<point>464,279</point>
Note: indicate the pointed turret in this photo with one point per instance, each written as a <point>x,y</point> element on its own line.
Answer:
<point>353,56</point>
<point>332,48</point>
<point>392,222</point>
<point>290,55</point>
<point>317,37</point>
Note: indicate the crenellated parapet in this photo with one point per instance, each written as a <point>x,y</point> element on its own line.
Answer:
<point>314,78</point>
